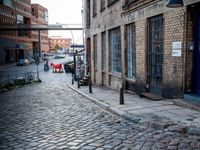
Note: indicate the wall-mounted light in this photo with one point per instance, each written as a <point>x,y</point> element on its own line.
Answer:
<point>174,3</point>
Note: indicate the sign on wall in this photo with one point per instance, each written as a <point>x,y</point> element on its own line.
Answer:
<point>176,49</point>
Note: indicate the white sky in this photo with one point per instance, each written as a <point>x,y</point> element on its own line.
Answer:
<point>64,12</point>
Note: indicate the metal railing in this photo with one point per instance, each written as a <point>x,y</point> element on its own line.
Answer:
<point>26,77</point>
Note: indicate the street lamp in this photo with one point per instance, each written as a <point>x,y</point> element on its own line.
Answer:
<point>175,3</point>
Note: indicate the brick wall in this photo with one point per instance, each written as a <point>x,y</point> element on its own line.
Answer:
<point>174,30</point>
<point>141,53</point>
<point>173,69</point>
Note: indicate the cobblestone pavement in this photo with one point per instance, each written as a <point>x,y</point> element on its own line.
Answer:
<point>51,116</point>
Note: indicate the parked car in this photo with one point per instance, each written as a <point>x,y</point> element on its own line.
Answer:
<point>31,61</point>
<point>22,62</point>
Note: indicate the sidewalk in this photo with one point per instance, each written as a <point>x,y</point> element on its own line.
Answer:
<point>138,109</point>
<point>3,66</point>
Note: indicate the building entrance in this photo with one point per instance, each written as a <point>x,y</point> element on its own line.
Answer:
<point>196,56</point>
<point>155,54</point>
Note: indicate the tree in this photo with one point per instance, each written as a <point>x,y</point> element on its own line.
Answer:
<point>56,47</point>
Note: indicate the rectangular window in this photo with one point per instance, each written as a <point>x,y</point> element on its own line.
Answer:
<point>103,50</point>
<point>103,5</point>
<point>6,3</point>
<point>115,50</point>
<point>21,23</point>
<point>88,14</point>
<point>95,48</point>
<point>20,19</point>
<point>94,8</point>
<point>46,16</point>
<point>131,51</point>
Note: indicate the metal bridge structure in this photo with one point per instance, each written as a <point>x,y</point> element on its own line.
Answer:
<point>39,27</point>
<point>42,27</point>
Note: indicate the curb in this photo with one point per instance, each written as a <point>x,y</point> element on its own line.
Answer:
<point>107,107</point>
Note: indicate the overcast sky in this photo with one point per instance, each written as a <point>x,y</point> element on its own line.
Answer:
<point>64,12</point>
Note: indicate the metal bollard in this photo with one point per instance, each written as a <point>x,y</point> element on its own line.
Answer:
<point>78,82</point>
<point>121,98</point>
<point>72,79</point>
<point>90,87</point>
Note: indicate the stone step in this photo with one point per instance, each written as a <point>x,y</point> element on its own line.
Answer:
<point>151,96</point>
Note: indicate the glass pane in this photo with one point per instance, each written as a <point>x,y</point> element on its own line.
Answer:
<point>115,50</point>
<point>131,51</point>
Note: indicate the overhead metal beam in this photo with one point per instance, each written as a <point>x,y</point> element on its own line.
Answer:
<point>37,27</point>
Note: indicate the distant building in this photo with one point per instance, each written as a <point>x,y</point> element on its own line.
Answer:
<point>15,45</point>
<point>63,43</point>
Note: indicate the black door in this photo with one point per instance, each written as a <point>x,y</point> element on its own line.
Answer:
<point>196,62</point>
<point>155,54</point>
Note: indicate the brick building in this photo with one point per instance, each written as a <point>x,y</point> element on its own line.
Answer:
<point>63,43</point>
<point>144,45</point>
<point>40,16</point>
<point>15,45</point>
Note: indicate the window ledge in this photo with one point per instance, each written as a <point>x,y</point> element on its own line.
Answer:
<point>102,9</point>
<point>112,2</point>
<point>94,15</point>
<point>131,80</point>
<point>115,74</point>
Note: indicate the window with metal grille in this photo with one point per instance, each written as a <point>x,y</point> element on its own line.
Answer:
<point>94,8</point>
<point>131,51</point>
<point>103,50</point>
<point>115,50</point>
<point>155,54</point>
<point>103,5</point>
<point>95,48</point>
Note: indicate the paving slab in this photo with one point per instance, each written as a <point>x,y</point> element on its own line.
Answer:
<point>140,106</point>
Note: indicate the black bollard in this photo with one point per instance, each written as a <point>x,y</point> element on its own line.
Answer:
<point>78,82</point>
<point>90,87</point>
<point>121,98</point>
<point>72,79</point>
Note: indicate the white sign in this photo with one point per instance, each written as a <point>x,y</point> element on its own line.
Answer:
<point>176,53</point>
<point>176,45</point>
<point>176,49</point>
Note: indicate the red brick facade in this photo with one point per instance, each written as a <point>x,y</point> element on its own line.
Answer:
<point>63,43</point>
<point>20,44</point>
<point>40,16</point>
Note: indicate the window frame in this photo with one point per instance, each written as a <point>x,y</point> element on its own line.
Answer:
<point>102,5</point>
<point>94,13</point>
<point>95,50</point>
<point>103,51</point>
<point>130,37</point>
<point>115,51</point>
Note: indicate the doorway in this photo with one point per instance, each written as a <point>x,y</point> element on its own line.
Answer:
<point>196,54</point>
<point>155,55</point>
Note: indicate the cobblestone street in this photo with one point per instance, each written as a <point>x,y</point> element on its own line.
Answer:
<point>52,116</point>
